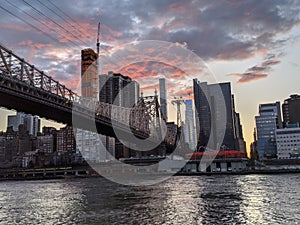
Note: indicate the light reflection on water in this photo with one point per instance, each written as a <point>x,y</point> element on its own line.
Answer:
<point>40,202</point>
<point>251,199</point>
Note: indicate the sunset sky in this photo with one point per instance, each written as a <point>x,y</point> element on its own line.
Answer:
<point>254,44</point>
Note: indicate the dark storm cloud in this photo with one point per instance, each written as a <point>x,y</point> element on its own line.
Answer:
<point>214,30</point>
<point>233,30</point>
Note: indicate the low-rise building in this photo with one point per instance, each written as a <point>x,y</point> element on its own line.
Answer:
<point>213,161</point>
<point>288,143</point>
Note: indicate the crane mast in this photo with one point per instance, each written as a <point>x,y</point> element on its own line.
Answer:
<point>178,103</point>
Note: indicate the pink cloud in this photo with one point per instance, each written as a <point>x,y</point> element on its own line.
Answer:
<point>248,77</point>
<point>257,72</point>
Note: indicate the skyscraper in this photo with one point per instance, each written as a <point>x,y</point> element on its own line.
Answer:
<point>163,98</point>
<point>238,129</point>
<point>88,142</point>
<point>116,89</point>
<point>267,122</point>
<point>291,110</point>
<point>240,142</point>
<point>210,102</point>
<point>189,126</point>
<point>32,124</point>
<point>89,74</point>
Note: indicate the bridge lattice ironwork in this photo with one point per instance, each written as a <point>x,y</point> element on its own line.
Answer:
<point>24,80</point>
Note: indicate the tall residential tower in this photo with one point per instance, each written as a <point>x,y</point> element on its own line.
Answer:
<point>163,98</point>
<point>88,142</point>
<point>89,74</point>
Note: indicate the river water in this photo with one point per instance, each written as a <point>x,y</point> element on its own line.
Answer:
<point>248,199</point>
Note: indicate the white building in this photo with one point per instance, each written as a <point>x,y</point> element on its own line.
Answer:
<point>36,125</point>
<point>288,143</point>
<point>94,147</point>
<point>189,126</point>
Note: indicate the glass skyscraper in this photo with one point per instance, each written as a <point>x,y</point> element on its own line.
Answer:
<point>215,110</point>
<point>163,98</point>
<point>116,89</point>
<point>267,122</point>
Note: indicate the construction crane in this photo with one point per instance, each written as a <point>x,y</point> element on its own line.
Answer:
<point>178,103</point>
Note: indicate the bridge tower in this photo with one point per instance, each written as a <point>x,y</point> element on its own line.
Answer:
<point>147,112</point>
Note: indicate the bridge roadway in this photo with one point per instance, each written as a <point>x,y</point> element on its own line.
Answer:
<point>36,101</point>
<point>26,89</point>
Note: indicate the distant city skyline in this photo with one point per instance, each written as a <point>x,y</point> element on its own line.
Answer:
<point>252,44</point>
<point>32,123</point>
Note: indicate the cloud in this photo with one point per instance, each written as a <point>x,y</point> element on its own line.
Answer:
<point>248,77</point>
<point>270,63</point>
<point>152,69</point>
<point>258,71</point>
<point>214,30</point>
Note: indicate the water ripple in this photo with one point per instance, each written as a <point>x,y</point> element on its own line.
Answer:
<point>251,199</point>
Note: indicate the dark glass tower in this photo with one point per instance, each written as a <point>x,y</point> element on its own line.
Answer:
<point>291,110</point>
<point>210,112</point>
<point>116,89</point>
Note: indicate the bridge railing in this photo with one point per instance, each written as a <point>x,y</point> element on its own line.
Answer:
<point>136,118</point>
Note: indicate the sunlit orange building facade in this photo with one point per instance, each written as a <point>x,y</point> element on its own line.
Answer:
<point>89,74</point>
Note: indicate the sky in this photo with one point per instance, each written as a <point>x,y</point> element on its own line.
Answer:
<point>253,44</point>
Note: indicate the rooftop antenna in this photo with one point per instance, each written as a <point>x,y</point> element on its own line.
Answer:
<point>98,42</point>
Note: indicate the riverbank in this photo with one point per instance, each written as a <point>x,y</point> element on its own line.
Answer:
<point>247,172</point>
<point>46,174</point>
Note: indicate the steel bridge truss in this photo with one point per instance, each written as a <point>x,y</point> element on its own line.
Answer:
<point>14,67</point>
<point>20,79</point>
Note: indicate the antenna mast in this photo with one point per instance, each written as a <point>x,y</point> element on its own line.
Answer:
<point>98,42</point>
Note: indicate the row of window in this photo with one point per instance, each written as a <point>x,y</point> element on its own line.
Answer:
<point>287,148</point>
<point>288,137</point>
<point>288,141</point>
